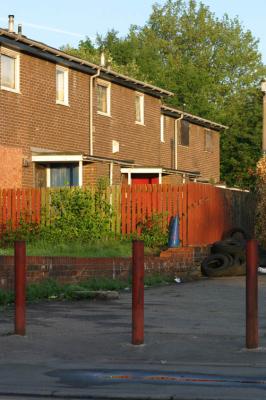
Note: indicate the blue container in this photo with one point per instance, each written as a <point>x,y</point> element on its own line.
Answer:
<point>173,238</point>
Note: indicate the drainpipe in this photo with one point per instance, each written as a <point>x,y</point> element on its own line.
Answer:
<point>91,109</point>
<point>176,121</point>
<point>111,171</point>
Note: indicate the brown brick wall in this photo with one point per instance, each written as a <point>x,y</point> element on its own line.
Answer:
<point>33,119</point>
<point>172,179</point>
<point>10,167</point>
<point>140,143</point>
<point>194,157</point>
<point>182,263</point>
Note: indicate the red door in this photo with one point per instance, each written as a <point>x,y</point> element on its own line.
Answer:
<point>139,179</point>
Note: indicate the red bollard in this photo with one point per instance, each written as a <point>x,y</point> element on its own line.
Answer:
<point>252,335</point>
<point>20,287</point>
<point>138,292</point>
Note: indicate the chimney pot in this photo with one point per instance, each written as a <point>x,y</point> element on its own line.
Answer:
<point>11,23</point>
<point>19,29</point>
<point>102,61</point>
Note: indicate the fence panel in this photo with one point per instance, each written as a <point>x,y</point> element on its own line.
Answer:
<point>205,212</point>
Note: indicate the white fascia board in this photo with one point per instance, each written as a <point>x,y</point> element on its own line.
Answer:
<point>141,170</point>
<point>57,158</point>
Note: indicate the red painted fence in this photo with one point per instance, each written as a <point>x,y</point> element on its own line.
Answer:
<point>205,211</point>
<point>17,205</point>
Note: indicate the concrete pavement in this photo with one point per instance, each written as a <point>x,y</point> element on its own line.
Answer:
<point>194,347</point>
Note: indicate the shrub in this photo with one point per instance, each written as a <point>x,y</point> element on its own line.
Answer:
<point>153,232</point>
<point>261,202</point>
<point>76,214</point>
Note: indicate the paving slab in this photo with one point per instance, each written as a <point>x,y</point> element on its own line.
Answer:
<point>194,347</point>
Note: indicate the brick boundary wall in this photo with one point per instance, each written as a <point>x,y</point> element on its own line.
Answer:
<point>183,262</point>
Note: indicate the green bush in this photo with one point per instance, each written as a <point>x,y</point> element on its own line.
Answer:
<point>76,214</point>
<point>153,232</point>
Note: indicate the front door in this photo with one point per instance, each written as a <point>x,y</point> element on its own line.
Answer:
<point>147,179</point>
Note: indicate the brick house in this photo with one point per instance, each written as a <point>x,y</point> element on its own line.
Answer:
<point>67,121</point>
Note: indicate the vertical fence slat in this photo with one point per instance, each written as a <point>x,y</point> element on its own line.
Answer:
<point>38,207</point>
<point>9,206</point>
<point>133,208</point>
<point>118,220</point>
<point>33,206</point>
<point>18,198</point>
<point>129,216</point>
<point>185,215</point>
<point>123,209</point>
<point>13,209</point>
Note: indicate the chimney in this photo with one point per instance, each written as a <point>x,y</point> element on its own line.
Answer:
<point>19,29</point>
<point>11,23</point>
<point>102,61</point>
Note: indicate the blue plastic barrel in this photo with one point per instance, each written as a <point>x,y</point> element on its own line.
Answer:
<point>173,237</point>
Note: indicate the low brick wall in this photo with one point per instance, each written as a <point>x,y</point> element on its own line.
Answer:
<point>182,262</point>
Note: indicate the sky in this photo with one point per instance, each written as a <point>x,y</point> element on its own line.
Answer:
<point>58,22</point>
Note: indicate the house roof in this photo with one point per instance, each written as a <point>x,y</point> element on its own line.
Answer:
<point>41,50</point>
<point>56,156</point>
<point>176,113</point>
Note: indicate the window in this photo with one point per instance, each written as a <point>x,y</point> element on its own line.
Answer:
<point>139,103</point>
<point>9,70</point>
<point>103,98</point>
<point>183,134</point>
<point>61,85</point>
<point>64,174</point>
<point>208,140</point>
<point>162,128</point>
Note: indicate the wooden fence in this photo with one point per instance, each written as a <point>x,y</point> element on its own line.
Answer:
<point>205,212</point>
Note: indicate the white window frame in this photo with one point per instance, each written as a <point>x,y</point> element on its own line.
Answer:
<point>50,158</point>
<point>108,97</point>
<point>130,171</point>
<point>141,96</point>
<point>66,72</point>
<point>16,56</point>
<point>162,122</point>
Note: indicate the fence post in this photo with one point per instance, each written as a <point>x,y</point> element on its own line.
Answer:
<point>137,292</point>
<point>20,287</point>
<point>252,336</point>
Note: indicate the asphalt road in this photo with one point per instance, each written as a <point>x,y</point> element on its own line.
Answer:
<point>194,347</point>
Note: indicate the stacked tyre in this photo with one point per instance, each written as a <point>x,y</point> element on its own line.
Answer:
<point>227,258</point>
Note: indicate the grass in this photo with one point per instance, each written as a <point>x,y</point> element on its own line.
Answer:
<point>50,289</point>
<point>110,248</point>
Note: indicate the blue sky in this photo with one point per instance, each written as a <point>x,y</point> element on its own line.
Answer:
<point>58,22</point>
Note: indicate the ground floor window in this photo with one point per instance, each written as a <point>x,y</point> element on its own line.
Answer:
<point>56,174</point>
<point>64,174</point>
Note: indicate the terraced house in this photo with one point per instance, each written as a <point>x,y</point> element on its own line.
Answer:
<point>66,121</point>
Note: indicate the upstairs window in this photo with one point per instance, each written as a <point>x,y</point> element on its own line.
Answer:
<point>61,85</point>
<point>139,104</point>
<point>103,98</point>
<point>183,137</point>
<point>208,140</point>
<point>9,70</point>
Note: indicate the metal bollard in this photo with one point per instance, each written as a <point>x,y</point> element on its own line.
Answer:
<point>137,292</point>
<point>252,335</point>
<point>20,287</point>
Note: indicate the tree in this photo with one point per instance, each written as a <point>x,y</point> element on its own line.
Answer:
<point>212,65</point>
